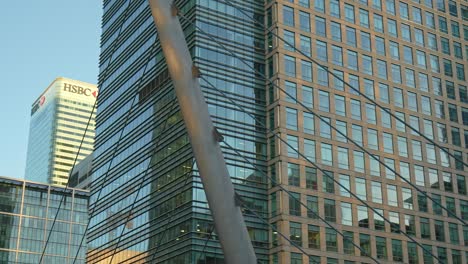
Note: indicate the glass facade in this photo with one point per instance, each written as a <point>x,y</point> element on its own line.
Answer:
<point>149,177</point>
<point>407,57</point>
<point>59,118</point>
<point>27,211</point>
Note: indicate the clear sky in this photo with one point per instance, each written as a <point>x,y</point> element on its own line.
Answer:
<point>39,41</point>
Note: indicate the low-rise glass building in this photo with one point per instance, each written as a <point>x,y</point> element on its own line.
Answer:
<point>27,212</point>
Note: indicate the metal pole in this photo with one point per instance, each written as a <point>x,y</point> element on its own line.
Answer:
<point>229,222</point>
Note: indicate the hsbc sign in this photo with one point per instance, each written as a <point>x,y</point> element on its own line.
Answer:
<point>78,90</point>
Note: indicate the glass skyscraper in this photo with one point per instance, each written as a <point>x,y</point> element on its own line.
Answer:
<point>407,57</point>
<point>27,211</point>
<point>58,121</point>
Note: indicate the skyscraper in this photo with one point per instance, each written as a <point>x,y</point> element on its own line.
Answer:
<point>363,129</point>
<point>59,118</point>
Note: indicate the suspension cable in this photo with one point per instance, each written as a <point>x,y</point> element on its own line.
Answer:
<point>328,123</point>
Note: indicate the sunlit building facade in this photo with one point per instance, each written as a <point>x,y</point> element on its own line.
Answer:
<point>27,211</point>
<point>59,119</point>
<point>409,57</point>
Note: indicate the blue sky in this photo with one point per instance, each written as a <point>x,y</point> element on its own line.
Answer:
<point>40,40</point>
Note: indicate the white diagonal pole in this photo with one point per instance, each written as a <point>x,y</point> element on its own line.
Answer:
<point>229,222</point>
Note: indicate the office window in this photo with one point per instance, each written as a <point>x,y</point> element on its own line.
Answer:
<point>293,146</point>
<point>294,204</point>
<point>378,23</point>
<point>343,160</point>
<point>396,73</point>
<point>367,64</point>
<point>291,91</point>
<point>344,181</point>
<point>432,41</point>
<point>312,204</point>
<point>439,230</point>
<point>392,28</point>
<point>388,142</point>
<point>319,5</point>
<point>309,149</point>
<point>311,178</point>
<point>392,197</point>
<point>348,239</point>
<point>352,60</point>
<point>290,39</point>
<point>397,250</point>
<point>322,51</point>
<point>404,12</point>
<point>314,236</point>
<point>324,101</point>
<point>334,8</point>
<point>365,244</point>
<point>357,134</point>
<point>363,217</point>
<point>394,50</point>
<point>330,210</point>
<point>359,165</point>
<point>295,231</point>
<point>304,21</point>
<point>349,13</point>
<point>288,16</point>
<point>370,114</point>
<point>425,228</point>
<point>405,32</point>
<point>374,165</point>
<point>355,109</point>
<point>376,188</point>
<point>337,55</point>
<point>340,105</point>
<point>342,128</point>
<point>290,65</point>
<point>307,96</point>
<point>293,174</point>
<point>364,18</point>
<point>381,245</point>
<point>320,26</point>
<point>331,240</point>
<point>305,45</point>
<point>372,139</point>
<point>346,214</point>
<point>394,219</point>
<point>421,59</point>
<point>327,154</point>
<point>407,198</point>
<point>417,15</point>
<point>335,31</point>
<point>309,123</point>
<point>380,45</point>
<point>360,185</point>
<point>328,185</point>
<point>382,70</point>
<point>291,118</point>
<point>402,146</point>
<point>306,70</point>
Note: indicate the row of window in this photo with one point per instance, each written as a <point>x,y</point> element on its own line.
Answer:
<point>404,10</point>
<point>382,248</point>
<point>399,75</point>
<point>419,175</point>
